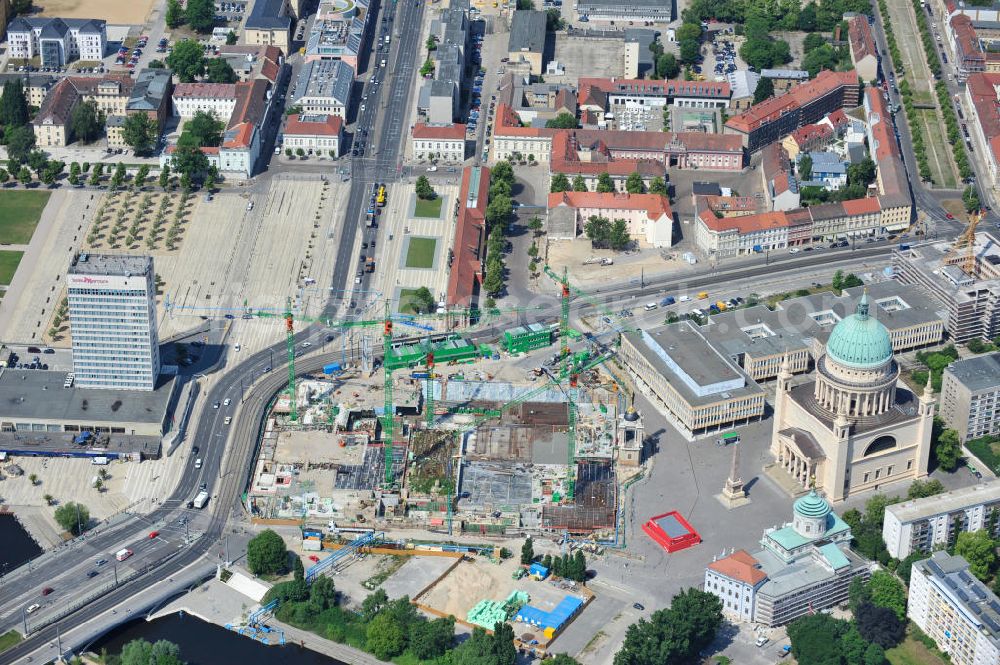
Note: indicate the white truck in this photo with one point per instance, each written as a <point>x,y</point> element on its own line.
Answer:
<point>200,500</point>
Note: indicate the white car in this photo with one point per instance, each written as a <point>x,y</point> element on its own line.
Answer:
<point>227,402</point>
<point>432,169</point>
<point>32,608</point>
<point>685,299</point>
<point>306,344</point>
<point>228,420</point>
<point>197,463</point>
<point>238,347</point>
<point>793,250</point>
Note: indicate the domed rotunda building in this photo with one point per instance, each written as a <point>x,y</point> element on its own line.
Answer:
<point>853,427</point>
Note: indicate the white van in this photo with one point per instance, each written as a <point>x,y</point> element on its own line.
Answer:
<point>650,306</point>
<point>197,463</point>
<point>123,554</point>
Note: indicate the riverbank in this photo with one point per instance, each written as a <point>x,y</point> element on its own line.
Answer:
<point>19,544</point>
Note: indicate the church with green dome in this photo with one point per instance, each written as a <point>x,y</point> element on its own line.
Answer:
<point>852,426</point>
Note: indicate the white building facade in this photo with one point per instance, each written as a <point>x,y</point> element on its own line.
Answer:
<point>112,313</point>
<point>923,525</point>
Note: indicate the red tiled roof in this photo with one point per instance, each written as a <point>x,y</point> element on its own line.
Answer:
<point>269,70</point>
<point>810,133</point>
<point>314,125</point>
<point>728,203</point>
<point>773,108</point>
<point>966,42</point>
<point>508,123</point>
<point>740,566</point>
<point>837,118</point>
<point>205,90</point>
<point>665,88</point>
<point>880,124</point>
<point>251,100</point>
<point>240,136</point>
<point>745,224</point>
<point>58,104</point>
<point>445,132</point>
<point>207,150</point>
<point>655,205</point>
<point>566,159</point>
<point>864,206</point>
<point>470,230</point>
<point>982,89</point>
<point>862,42</point>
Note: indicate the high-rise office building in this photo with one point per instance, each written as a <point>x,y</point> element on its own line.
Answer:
<point>112,313</point>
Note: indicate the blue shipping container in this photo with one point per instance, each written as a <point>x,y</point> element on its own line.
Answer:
<point>332,368</point>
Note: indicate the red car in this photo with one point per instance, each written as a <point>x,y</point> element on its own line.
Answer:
<point>153,534</point>
<point>46,591</point>
<point>950,216</point>
<point>314,558</point>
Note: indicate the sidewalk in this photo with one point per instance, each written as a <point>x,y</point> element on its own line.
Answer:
<point>316,643</point>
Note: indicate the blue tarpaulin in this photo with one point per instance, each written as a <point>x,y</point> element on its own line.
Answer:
<point>562,613</point>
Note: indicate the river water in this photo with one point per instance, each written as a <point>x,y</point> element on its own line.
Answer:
<point>18,546</point>
<point>204,643</point>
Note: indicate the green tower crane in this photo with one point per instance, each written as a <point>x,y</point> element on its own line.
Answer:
<point>290,347</point>
<point>387,421</point>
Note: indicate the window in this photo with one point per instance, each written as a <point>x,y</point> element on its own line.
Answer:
<point>881,444</point>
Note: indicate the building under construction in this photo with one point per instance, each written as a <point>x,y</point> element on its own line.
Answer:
<point>964,276</point>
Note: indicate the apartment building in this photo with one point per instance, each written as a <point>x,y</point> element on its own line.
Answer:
<point>269,24</point>
<point>774,118</point>
<point>972,301</point>
<point>649,217</point>
<point>52,124</point>
<point>657,11</point>
<point>970,396</point>
<point>982,104</point>
<point>446,143</point>
<point>57,41</point>
<point>955,609</point>
<point>527,40</point>
<point>864,53</point>
<point>934,522</point>
<point>607,94</point>
<point>315,134</point>
<point>324,86</point>
<point>219,99</point>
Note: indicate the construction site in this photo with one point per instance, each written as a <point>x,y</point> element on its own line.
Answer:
<point>452,431</point>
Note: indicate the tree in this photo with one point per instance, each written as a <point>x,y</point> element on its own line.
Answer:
<point>805,171</point>
<point>690,51</point>
<point>887,591</point>
<point>553,20</point>
<point>431,639</point>
<point>527,552</point>
<point>385,637</point>
<point>563,659</point>
<point>687,30</point>
<point>322,592</point>
<point>373,604</point>
<point>667,66</point>
<point>422,300</point>
<point>157,64</point>
<point>424,189</point>
<point>427,68</point>
<point>187,60</point>
<point>562,121</point>
<point>477,650</point>
<point>536,225</point>
<point>4,176</point>
<point>431,44</point>
<point>815,639</point>
<point>675,635</point>
<point>73,517</point>
<point>525,4</point>
<point>879,625</point>
<point>13,104</point>
<point>200,15</point>
<point>118,178</point>
<point>164,180</point>
<point>813,41</point>
<point>979,550</point>
<point>579,184</point>
<point>598,230</point>
<point>503,644</point>
<point>948,450</point>
<point>604,183</point>
<point>141,175</point>
<point>634,183</point>
<point>921,489</point>
<point>175,14</point>
<point>203,130</point>
<point>298,569</point>
<point>231,38</point>
<point>824,57</point>
<point>658,186</point>
<point>560,183</point>
<point>858,594</point>
<point>267,554</point>
<point>905,567</point>
<point>970,197</point>
<point>20,140</point>
<point>219,71</point>
<point>807,18</point>
<point>24,176</point>
<point>139,131</point>
<point>141,652</point>
<point>619,237</point>
<point>764,90</point>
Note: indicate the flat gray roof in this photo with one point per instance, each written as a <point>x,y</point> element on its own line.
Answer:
<point>623,4</point>
<point>794,324</point>
<point>120,265</point>
<point>977,373</point>
<point>954,500</point>
<point>682,355</point>
<point>806,571</point>
<point>37,395</point>
<point>326,78</point>
<point>527,31</point>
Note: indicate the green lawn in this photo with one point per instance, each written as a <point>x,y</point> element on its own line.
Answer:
<point>430,208</point>
<point>8,265</point>
<point>406,300</point>
<point>912,652</point>
<point>19,215</point>
<point>9,639</point>
<point>420,253</point>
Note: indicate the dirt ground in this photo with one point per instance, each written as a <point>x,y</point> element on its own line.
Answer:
<point>572,254</point>
<point>470,583</point>
<point>112,11</point>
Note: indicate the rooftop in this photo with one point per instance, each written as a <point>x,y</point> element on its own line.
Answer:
<point>951,501</point>
<point>977,373</point>
<point>740,566</point>
<point>267,15</point>
<point>326,78</point>
<point>527,31</point>
<point>314,124</point>
<point>445,132</point>
<point>36,395</point>
<point>119,265</point>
